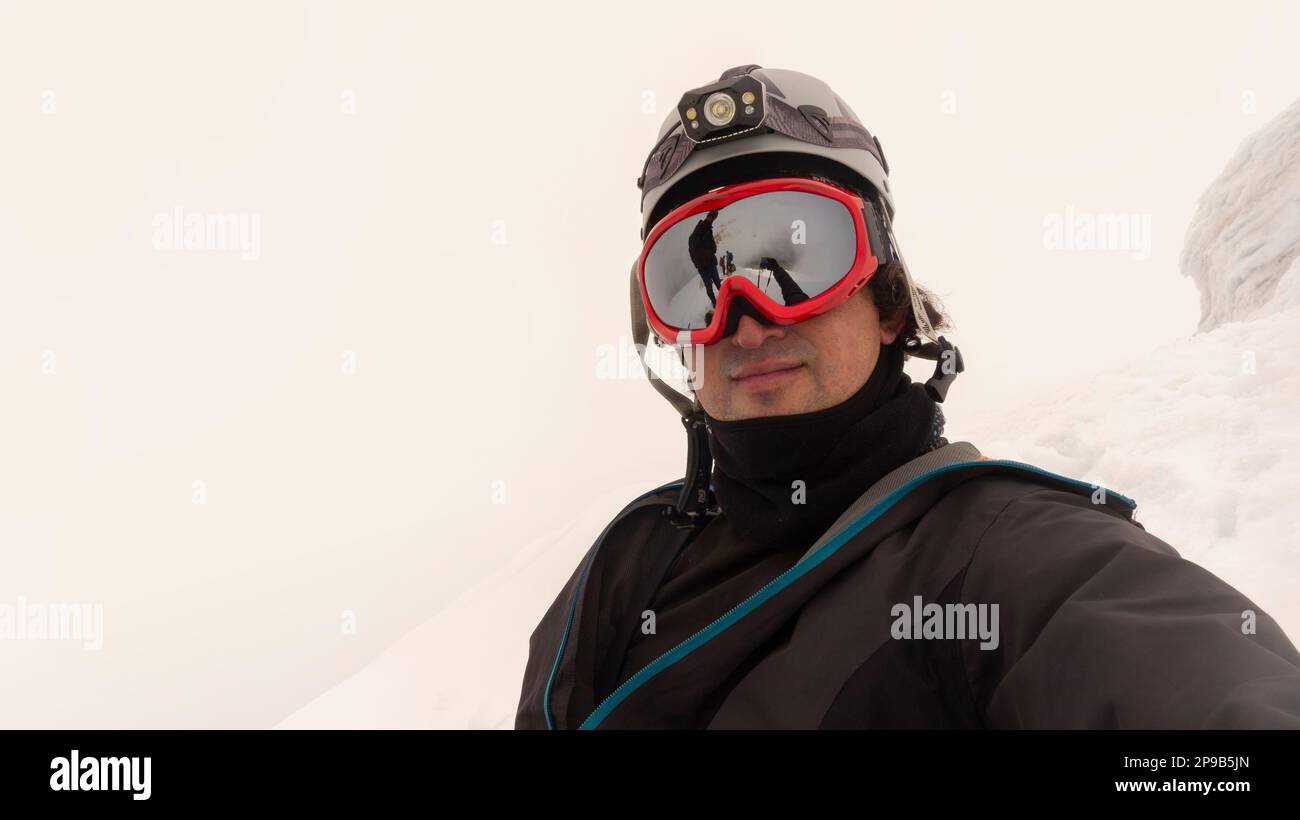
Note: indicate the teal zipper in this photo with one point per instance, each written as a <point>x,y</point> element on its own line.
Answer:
<point>780,582</point>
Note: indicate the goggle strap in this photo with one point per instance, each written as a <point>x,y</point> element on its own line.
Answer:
<point>881,247</point>
<point>918,304</point>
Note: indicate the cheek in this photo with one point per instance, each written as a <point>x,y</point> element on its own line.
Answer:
<point>710,373</point>
<point>846,348</point>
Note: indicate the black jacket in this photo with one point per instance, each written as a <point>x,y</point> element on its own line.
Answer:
<point>701,245</point>
<point>1099,623</point>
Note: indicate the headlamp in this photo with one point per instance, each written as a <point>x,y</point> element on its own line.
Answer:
<point>723,109</point>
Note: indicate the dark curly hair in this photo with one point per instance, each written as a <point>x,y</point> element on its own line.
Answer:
<point>888,287</point>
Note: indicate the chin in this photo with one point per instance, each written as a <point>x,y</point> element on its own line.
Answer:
<point>772,404</point>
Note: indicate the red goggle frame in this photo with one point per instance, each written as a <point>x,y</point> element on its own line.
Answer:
<point>865,261</point>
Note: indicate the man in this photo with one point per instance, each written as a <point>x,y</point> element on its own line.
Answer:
<point>703,250</point>
<point>842,564</point>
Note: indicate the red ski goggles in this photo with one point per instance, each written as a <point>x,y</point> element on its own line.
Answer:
<point>794,248</point>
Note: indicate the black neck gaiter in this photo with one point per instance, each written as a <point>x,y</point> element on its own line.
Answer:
<point>837,453</point>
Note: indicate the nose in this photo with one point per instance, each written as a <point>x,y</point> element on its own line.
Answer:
<point>750,333</point>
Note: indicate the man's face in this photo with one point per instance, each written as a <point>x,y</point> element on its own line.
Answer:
<point>773,370</point>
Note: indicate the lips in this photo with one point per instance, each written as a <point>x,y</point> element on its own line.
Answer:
<point>765,375</point>
<point>762,368</point>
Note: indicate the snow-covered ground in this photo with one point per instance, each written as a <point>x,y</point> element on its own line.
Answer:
<point>464,667</point>
<point>1201,431</point>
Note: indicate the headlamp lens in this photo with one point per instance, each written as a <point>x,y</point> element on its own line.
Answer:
<point>719,109</point>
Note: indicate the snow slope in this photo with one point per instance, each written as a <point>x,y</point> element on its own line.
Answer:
<point>1242,243</point>
<point>1201,432</point>
<point>464,667</point>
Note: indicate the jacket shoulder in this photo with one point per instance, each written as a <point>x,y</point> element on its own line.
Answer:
<point>1105,625</point>
<point>1004,481</point>
<point>648,503</point>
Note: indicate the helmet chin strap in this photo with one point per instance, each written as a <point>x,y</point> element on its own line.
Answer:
<point>696,502</point>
